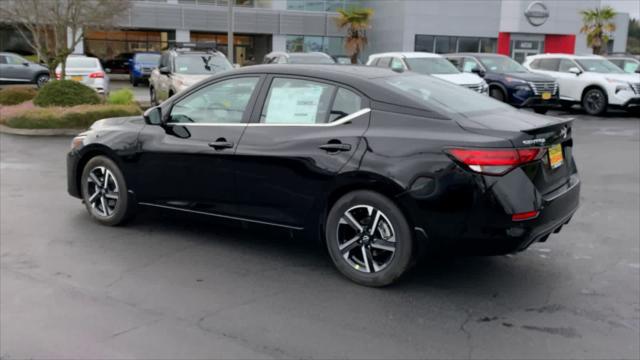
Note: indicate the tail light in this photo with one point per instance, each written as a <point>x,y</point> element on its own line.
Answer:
<point>58,75</point>
<point>96,75</point>
<point>495,161</point>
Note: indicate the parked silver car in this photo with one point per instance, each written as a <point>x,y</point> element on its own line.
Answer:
<point>14,69</point>
<point>86,70</point>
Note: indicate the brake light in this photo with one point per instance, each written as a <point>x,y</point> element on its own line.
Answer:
<point>96,75</point>
<point>495,161</point>
<point>58,75</point>
<point>525,216</point>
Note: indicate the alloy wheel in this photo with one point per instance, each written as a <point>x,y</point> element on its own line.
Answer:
<point>594,101</point>
<point>366,238</point>
<point>102,191</point>
<point>42,80</point>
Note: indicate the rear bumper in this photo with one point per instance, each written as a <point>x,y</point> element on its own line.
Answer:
<point>474,215</point>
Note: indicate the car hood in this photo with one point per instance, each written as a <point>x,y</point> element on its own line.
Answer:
<point>631,78</point>
<point>460,79</point>
<point>528,76</point>
<point>117,121</point>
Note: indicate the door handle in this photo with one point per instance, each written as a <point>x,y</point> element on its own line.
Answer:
<point>221,144</point>
<point>335,147</point>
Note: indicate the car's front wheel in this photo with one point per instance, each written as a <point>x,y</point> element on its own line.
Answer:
<point>368,238</point>
<point>41,80</point>
<point>105,191</point>
<point>594,102</point>
<point>497,94</point>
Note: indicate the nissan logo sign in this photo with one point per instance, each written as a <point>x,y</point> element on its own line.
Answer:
<point>536,13</point>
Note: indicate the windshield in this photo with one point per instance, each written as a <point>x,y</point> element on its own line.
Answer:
<point>310,59</point>
<point>441,95</point>
<point>599,66</point>
<point>431,66</point>
<point>148,58</point>
<point>81,62</point>
<point>501,64</point>
<point>201,64</point>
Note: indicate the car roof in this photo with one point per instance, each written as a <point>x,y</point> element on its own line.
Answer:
<point>302,54</point>
<point>564,56</point>
<point>408,54</point>
<point>475,54</point>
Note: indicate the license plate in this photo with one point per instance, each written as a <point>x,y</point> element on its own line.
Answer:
<point>546,95</point>
<point>76,78</point>
<point>556,159</point>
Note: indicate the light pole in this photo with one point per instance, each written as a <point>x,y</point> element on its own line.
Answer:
<point>230,30</point>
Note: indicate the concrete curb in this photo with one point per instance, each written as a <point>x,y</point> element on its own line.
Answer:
<point>39,132</point>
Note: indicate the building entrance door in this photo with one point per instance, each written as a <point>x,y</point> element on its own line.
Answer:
<point>520,49</point>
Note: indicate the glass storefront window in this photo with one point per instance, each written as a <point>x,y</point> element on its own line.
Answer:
<point>313,43</point>
<point>424,43</point>
<point>468,44</point>
<point>321,5</point>
<point>295,43</point>
<point>330,44</point>
<point>445,44</point>
<point>488,45</point>
<point>450,44</point>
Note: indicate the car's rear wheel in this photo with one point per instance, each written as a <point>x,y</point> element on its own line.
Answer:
<point>105,192</point>
<point>41,80</point>
<point>594,102</point>
<point>368,238</point>
<point>497,94</point>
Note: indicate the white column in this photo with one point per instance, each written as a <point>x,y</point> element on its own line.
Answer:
<point>183,36</point>
<point>79,48</point>
<point>279,43</point>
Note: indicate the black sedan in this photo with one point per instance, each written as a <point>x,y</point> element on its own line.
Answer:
<point>378,165</point>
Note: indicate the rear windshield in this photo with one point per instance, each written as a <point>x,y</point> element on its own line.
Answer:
<point>443,96</point>
<point>148,58</point>
<point>201,64</point>
<point>82,62</point>
<point>433,66</point>
<point>310,59</point>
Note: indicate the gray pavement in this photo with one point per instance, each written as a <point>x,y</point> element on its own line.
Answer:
<point>168,286</point>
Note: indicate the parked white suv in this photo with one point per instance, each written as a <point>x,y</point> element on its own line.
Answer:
<point>592,81</point>
<point>429,64</point>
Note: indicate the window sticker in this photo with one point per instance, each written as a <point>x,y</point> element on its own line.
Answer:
<point>293,105</point>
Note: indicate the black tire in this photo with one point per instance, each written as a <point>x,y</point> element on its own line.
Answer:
<point>594,102</point>
<point>497,94</point>
<point>104,208</point>
<point>41,80</point>
<point>152,96</point>
<point>540,111</point>
<point>391,221</point>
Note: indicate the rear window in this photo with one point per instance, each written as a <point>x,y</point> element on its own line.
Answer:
<point>148,58</point>
<point>440,95</point>
<point>82,62</point>
<point>201,64</point>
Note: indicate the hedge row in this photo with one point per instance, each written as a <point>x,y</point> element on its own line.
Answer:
<point>78,117</point>
<point>16,95</point>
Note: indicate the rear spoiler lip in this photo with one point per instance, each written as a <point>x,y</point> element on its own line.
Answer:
<point>550,128</point>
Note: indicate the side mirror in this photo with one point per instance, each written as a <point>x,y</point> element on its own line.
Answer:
<point>153,116</point>
<point>575,70</point>
<point>165,70</point>
<point>476,70</point>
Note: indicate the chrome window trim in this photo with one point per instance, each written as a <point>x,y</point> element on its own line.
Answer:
<point>344,120</point>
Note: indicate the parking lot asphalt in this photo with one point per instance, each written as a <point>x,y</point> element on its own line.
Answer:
<point>168,286</point>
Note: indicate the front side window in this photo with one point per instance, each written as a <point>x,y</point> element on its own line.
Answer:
<point>201,64</point>
<point>440,95</point>
<point>431,66</point>
<point>223,102</point>
<point>565,65</point>
<point>469,64</point>
<point>396,64</point>
<point>16,60</point>
<point>599,66</point>
<point>630,66</point>
<point>295,101</point>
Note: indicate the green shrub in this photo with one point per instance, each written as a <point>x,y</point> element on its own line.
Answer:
<point>16,95</point>
<point>65,93</point>
<point>78,117</point>
<point>121,97</point>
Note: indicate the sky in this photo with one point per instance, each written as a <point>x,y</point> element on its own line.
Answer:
<point>629,6</point>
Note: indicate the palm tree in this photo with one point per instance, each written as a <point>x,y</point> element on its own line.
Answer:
<point>356,20</point>
<point>598,25</point>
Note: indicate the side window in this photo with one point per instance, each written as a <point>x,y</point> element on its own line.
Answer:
<point>396,63</point>
<point>549,64</point>
<point>383,62</point>
<point>535,64</point>
<point>295,101</point>
<point>164,60</point>
<point>281,60</point>
<point>469,64</point>
<point>374,62</point>
<point>456,62</point>
<point>223,102</point>
<point>346,102</point>
<point>565,65</point>
<point>3,59</point>
<point>630,66</point>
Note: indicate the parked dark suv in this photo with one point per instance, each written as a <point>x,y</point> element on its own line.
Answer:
<point>509,81</point>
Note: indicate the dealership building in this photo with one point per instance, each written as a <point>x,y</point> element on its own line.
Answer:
<point>511,27</point>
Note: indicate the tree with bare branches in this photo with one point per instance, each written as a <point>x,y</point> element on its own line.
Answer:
<point>53,28</point>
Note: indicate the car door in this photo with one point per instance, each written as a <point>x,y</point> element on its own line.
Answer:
<point>15,69</point>
<point>303,134</point>
<point>571,85</point>
<point>188,162</point>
